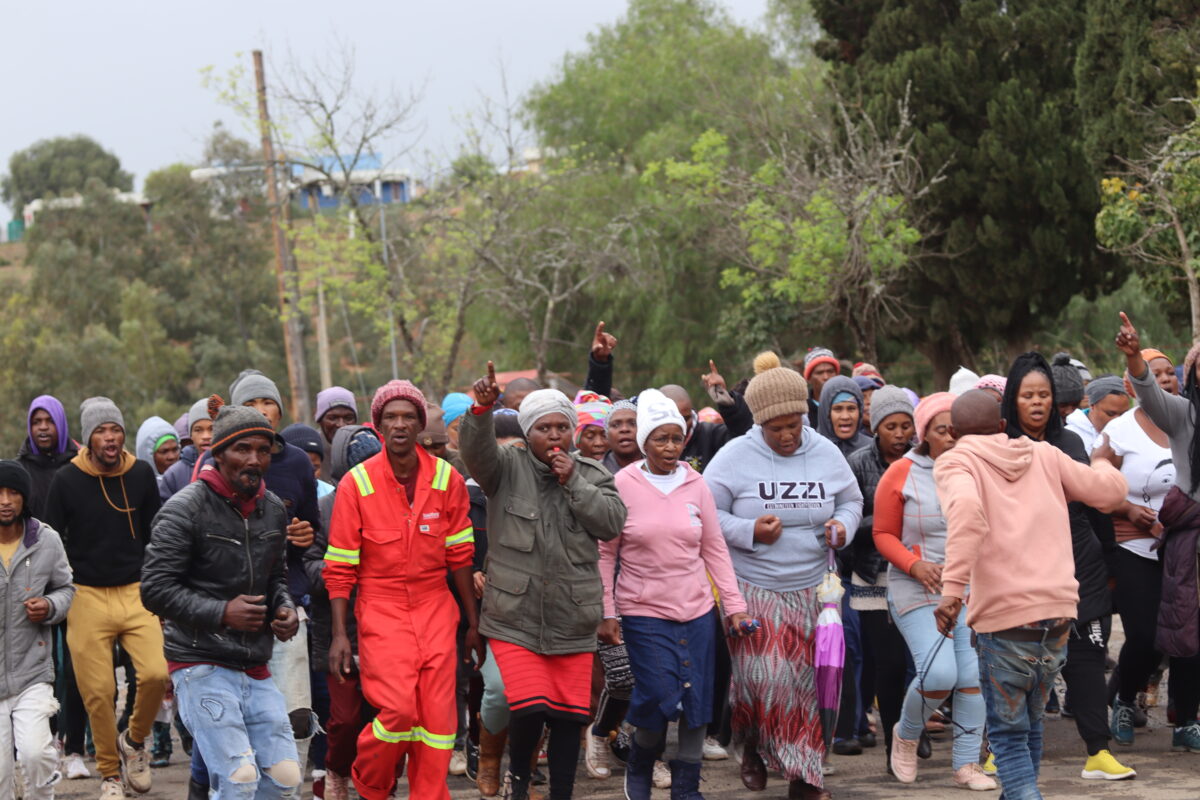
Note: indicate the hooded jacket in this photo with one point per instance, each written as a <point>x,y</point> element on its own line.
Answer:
<point>748,479</point>
<point>1091,568</point>
<point>543,589</point>
<point>1008,529</point>
<point>38,569</point>
<point>42,466</point>
<point>150,434</point>
<point>179,474</point>
<point>833,387</point>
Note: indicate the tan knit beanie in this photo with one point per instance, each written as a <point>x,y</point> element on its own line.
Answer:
<point>776,392</point>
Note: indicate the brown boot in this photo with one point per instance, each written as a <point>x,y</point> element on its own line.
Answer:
<point>491,750</point>
<point>754,771</point>
<point>799,790</point>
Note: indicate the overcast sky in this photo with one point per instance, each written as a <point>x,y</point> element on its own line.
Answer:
<point>127,73</point>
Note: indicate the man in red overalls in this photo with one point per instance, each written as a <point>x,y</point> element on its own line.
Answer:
<point>399,523</point>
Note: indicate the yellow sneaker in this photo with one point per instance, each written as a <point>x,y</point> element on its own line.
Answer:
<point>989,766</point>
<point>1104,767</point>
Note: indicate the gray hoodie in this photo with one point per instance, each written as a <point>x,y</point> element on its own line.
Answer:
<point>748,479</point>
<point>38,568</point>
<point>833,387</point>
<point>151,431</point>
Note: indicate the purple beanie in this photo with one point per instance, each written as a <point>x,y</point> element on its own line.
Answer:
<point>333,397</point>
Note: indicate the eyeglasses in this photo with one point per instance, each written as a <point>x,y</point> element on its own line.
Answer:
<point>665,439</point>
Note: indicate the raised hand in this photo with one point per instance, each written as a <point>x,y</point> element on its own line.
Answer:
<point>562,465</point>
<point>486,389</point>
<point>602,344</point>
<point>1128,341</point>
<point>712,379</point>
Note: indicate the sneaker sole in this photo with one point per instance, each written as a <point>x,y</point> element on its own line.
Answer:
<point>971,788</point>
<point>1101,775</point>
<point>1183,748</point>
<point>716,757</point>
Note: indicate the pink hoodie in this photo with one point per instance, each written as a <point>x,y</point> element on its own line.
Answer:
<point>1008,535</point>
<point>668,543</point>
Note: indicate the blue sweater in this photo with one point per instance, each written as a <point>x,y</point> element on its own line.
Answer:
<point>815,484</point>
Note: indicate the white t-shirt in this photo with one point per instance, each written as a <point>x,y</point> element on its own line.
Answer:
<point>665,483</point>
<point>1147,467</point>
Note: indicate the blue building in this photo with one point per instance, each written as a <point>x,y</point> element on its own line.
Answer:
<point>322,185</point>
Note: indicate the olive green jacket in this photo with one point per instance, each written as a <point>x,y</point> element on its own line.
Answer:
<point>543,589</point>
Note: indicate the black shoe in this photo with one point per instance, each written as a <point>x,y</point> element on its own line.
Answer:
<point>924,746</point>
<point>847,747</point>
<point>867,739</point>
<point>537,777</point>
<point>196,791</point>
<point>620,746</point>
<point>472,760</point>
<point>1139,717</point>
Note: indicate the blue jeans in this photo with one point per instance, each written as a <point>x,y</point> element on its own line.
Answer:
<point>942,665</point>
<point>241,725</point>
<point>1016,677</point>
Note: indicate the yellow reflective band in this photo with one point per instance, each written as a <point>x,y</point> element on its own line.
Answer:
<point>441,476</point>
<point>384,735</point>
<point>438,741</point>
<point>344,556</point>
<point>363,480</point>
<point>467,534</point>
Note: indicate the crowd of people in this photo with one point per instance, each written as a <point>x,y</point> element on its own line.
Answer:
<point>518,571</point>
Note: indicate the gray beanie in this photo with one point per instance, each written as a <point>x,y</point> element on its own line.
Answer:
<point>253,385</point>
<point>1068,383</point>
<point>197,412</point>
<point>888,400</point>
<point>542,402</point>
<point>97,411</point>
<point>1103,386</point>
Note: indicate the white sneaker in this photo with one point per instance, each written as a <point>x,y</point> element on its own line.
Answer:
<point>135,764</point>
<point>662,775</point>
<point>969,776</point>
<point>458,762</point>
<point>595,757</point>
<point>111,789</point>
<point>74,767</point>
<point>713,750</point>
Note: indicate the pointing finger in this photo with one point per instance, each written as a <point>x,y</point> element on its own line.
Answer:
<point>599,329</point>
<point>1125,319</point>
<point>491,372</point>
<point>711,366</point>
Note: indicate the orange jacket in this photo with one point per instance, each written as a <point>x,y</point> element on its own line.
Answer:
<point>388,548</point>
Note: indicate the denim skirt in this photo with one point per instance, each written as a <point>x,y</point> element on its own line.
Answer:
<point>672,665</point>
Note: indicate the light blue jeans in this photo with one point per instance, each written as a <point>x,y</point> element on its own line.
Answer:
<point>942,665</point>
<point>1016,678</point>
<point>241,724</point>
<point>493,708</point>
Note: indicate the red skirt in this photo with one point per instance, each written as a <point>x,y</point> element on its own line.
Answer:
<point>557,686</point>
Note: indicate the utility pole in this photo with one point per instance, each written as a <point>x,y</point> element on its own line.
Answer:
<point>391,314</point>
<point>285,273</point>
<point>323,359</point>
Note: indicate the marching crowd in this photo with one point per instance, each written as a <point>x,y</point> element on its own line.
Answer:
<point>514,570</point>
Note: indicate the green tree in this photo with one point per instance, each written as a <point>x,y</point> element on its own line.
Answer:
<point>1134,60</point>
<point>59,166</point>
<point>993,97</point>
<point>1151,213</point>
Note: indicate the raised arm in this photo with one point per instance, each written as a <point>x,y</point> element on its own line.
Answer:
<point>1169,412</point>
<point>477,436</point>
<point>600,362</point>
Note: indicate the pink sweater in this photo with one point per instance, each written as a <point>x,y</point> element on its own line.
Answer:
<point>665,549</point>
<point>1008,534</point>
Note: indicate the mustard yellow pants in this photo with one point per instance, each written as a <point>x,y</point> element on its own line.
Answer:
<point>100,616</point>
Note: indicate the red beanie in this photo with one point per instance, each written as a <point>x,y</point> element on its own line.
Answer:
<point>397,390</point>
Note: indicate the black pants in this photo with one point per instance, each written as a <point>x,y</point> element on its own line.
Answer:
<point>884,646</point>
<point>1137,594</point>
<point>720,726</point>
<point>562,747</point>
<point>72,716</point>
<point>1084,676</point>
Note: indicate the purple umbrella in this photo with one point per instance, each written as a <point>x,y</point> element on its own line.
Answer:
<point>830,658</point>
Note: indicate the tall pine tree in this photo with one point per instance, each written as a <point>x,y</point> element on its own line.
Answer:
<point>992,93</point>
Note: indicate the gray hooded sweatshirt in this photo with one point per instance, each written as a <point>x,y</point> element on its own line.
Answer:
<point>748,480</point>
<point>39,568</point>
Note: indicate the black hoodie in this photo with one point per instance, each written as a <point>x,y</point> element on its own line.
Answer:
<point>1091,569</point>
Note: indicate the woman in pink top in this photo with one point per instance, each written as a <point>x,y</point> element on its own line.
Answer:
<point>669,548</point>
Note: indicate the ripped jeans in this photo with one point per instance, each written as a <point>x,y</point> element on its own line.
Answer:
<point>1015,678</point>
<point>241,725</point>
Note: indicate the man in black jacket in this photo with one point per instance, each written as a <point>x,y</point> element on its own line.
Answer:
<point>215,571</point>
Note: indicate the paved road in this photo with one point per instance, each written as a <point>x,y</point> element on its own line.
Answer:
<point>1163,775</point>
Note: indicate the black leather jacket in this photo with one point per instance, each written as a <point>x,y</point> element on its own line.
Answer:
<point>202,554</point>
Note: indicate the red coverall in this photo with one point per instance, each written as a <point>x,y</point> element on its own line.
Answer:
<point>398,556</point>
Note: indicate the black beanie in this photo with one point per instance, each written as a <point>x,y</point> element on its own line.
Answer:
<point>235,422</point>
<point>1068,383</point>
<point>14,476</point>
